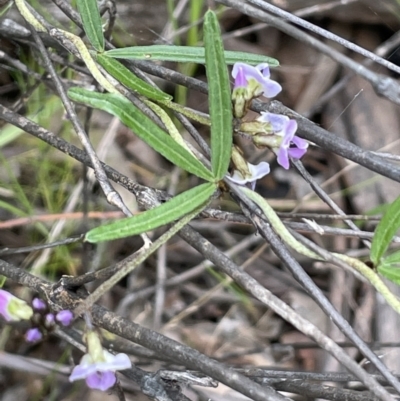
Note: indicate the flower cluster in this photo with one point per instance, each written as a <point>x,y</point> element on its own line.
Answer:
<point>275,131</point>
<point>98,366</point>
<point>45,321</point>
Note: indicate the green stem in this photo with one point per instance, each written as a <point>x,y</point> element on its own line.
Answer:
<point>28,16</point>
<point>288,238</point>
<point>190,113</point>
<point>171,127</point>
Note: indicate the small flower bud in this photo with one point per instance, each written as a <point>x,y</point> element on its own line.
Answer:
<point>33,335</point>
<point>13,308</point>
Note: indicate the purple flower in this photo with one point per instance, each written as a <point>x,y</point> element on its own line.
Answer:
<point>255,79</point>
<point>291,145</point>
<point>98,366</point>
<point>14,309</point>
<point>65,317</point>
<point>256,172</point>
<point>101,380</point>
<point>39,304</point>
<point>33,335</point>
<point>251,82</point>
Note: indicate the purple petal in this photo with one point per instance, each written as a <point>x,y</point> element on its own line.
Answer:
<point>271,88</point>
<point>101,380</point>
<point>283,158</point>
<point>241,67</point>
<point>264,69</point>
<point>296,153</point>
<point>240,79</point>
<point>277,121</point>
<point>82,372</point>
<point>39,304</point>
<point>289,130</point>
<point>33,335</point>
<point>5,298</point>
<point>300,142</point>
<point>65,317</point>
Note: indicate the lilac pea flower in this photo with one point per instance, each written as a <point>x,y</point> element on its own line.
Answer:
<point>14,309</point>
<point>291,145</point>
<point>256,172</point>
<point>255,79</point>
<point>39,304</point>
<point>65,317</point>
<point>98,366</point>
<point>33,335</point>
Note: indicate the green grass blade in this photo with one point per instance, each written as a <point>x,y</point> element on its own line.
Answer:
<point>143,127</point>
<point>219,96</point>
<point>89,11</point>
<point>186,54</point>
<point>167,212</point>
<point>130,80</point>
<point>385,231</point>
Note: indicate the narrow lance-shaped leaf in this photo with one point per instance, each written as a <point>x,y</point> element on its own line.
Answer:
<point>390,272</point>
<point>389,267</point>
<point>392,259</point>
<point>173,209</point>
<point>130,80</point>
<point>89,11</point>
<point>143,127</point>
<point>186,54</point>
<point>219,96</point>
<point>385,231</point>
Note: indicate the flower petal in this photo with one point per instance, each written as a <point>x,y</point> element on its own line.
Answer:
<point>5,298</point>
<point>290,129</point>
<point>101,380</point>
<point>300,142</point>
<point>277,121</point>
<point>82,371</point>
<point>257,171</point>
<point>114,362</point>
<point>283,158</point>
<point>13,308</point>
<point>296,153</point>
<point>240,78</point>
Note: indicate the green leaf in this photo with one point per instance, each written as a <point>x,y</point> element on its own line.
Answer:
<point>390,272</point>
<point>392,259</point>
<point>130,80</point>
<point>167,212</point>
<point>385,231</point>
<point>143,127</point>
<point>220,103</point>
<point>89,11</point>
<point>186,54</point>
